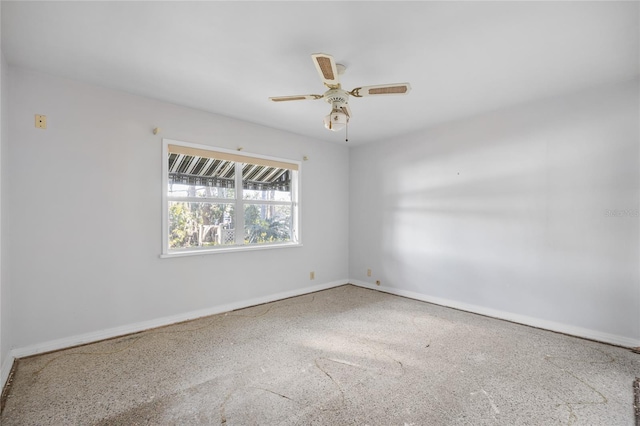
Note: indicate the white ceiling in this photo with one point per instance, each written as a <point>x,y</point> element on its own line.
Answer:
<point>461,58</point>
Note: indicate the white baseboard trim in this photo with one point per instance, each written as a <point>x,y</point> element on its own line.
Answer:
<point>520,319</point>
<point>81,339</point>
<point>6,369</point>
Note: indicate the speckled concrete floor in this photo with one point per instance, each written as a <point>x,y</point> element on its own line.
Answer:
<point>342,356</point>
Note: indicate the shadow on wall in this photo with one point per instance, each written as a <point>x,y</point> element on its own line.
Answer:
<point>531,210</point>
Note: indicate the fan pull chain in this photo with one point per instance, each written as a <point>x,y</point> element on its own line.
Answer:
<point>346,132</point>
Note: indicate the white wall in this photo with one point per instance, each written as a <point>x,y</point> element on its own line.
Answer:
<point>506,213</point>
<point>85,212</point>
<point>4,287</point>
<point>502,213</point>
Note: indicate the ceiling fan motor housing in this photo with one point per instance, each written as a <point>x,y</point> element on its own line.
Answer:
<point>336,97</point>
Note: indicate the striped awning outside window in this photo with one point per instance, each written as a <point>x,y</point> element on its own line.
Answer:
<point>192,166</point>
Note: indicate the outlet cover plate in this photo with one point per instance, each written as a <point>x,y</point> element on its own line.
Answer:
<point>41,121</point>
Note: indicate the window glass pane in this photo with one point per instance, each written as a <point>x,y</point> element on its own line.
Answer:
<point>209,189</point>
<point>225,190</point>
<point>266,183</point>
<point>200,224</point>
<point>267,223</point>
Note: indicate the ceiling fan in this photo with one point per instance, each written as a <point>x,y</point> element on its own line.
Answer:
<point>338,97</point>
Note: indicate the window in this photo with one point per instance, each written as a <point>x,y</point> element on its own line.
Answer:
<point>219,200</point>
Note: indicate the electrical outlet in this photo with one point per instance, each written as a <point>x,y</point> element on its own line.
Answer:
<point>377,282</point>
<point>368,272</point>
<point>312,275</point>
<point>41,121</point>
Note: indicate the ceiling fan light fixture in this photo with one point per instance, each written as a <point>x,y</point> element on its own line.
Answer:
<point>329,73</point>
<point>336,120</point>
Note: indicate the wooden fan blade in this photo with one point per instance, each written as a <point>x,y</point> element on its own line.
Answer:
<point>381,89</point>
<point>327,69</point>
<point>295,98</point>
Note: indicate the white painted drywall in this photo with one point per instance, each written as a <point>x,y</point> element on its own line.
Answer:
<point>530,211</point>
<point>4,299</point>
<point>6,360</point>
<point>85,212</point>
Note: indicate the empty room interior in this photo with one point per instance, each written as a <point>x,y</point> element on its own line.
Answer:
<point>380,213</point>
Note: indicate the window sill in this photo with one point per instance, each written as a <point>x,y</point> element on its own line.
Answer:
<point>200,252</point>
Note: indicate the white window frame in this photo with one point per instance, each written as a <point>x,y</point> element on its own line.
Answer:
<point>239,205</point>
